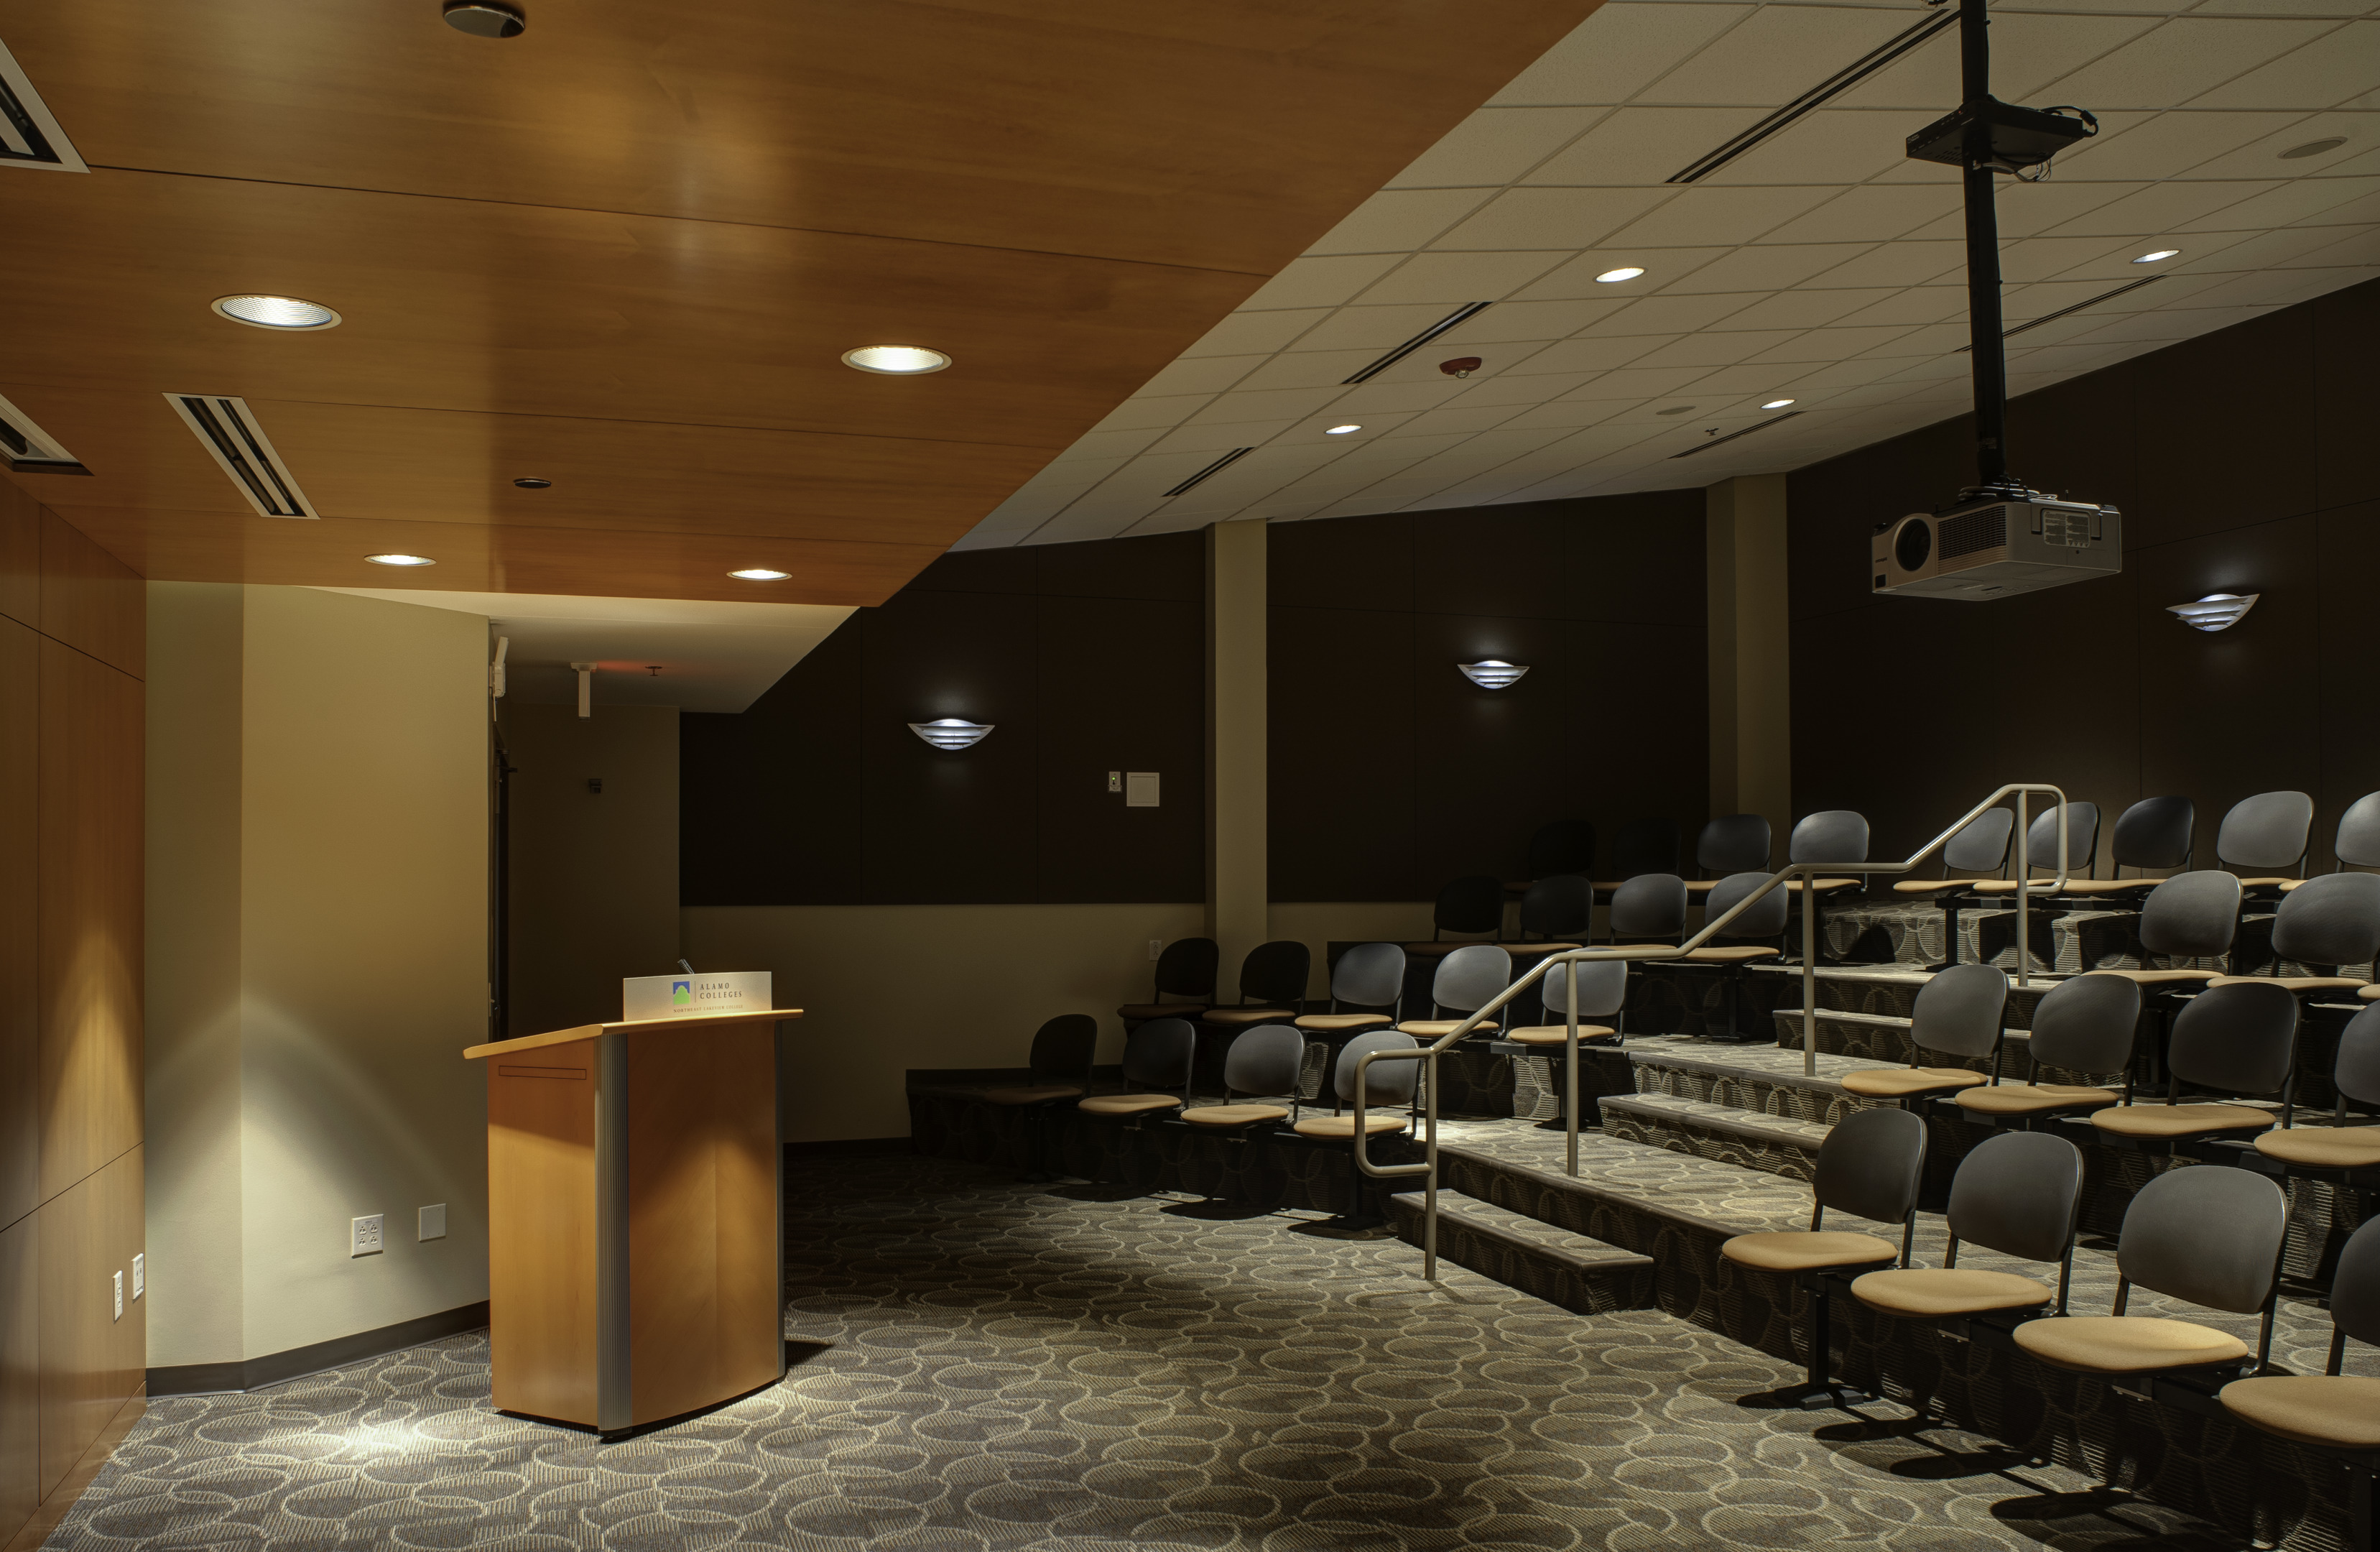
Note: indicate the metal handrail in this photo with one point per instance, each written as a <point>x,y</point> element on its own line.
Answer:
<point>1808,871</point>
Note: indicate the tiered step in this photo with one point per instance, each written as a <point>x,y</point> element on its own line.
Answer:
<point>1749,1106</point>
<point>1582,1275</point>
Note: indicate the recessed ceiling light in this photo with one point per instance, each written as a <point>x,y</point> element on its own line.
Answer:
<point>2158,255</point>
<point>486,18</point>
<point>1342,431</point>
<point>276,313</point>
<point>534,484</point>
<point>760,574</point>
<point>400,560</point>
<point>895,360</point>
<point>1777,404</point>
<point>2313,148</point>
<point>1676,410</point>
<point>1611,277</point>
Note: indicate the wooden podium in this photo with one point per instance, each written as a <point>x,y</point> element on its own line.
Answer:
<point>635,1237</point>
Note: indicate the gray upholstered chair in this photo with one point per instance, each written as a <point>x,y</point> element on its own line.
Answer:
<point>1759,933</point>
<point>2265,838</point>
<point>1602,994</point>
<point>1466,980</point>
<point>1830,835</point>
<point>1060,1063</point>
<point>1156,1058</point>
<point>1273,986</point>
<point>1959,1012</point>
<point>1263,1063</point>
<point>1980,847</point>
<point>1731,844</point>
<point>1869,1166</point>
<point>1561,907</point>
<point>2356,843</point>
<point>2040,857</point>
<point>1368,976</point>
<point>1471,904</point>
<point>2189,916</point>
<point>2241,1039</point>
<point>1651,905</point>
<point>2331,1410</point>
<point>2318,1150</point>
<point>1185,973</point>
<point>1388,1090</point>
<point>2155,833</point>
<point>2018,1194</point>
<point>2332,921</point>
<point>2084,1025</point>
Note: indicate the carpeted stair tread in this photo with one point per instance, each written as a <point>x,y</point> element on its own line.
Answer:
<point>1523,1233</point>
<point>1671,1110</point>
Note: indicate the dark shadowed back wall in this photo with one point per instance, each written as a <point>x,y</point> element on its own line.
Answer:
<point>1392,772</point>
<point>2244,460</point>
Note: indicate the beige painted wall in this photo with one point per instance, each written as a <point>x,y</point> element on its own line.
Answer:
<point>594,875</point>
<point>357,730</point>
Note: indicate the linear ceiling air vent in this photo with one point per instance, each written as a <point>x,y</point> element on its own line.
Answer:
<point>28,136</point>
<point>227,429</point>
<point>2070,312</point>
<point>1235,456</point>
<point>1756,425</point>
<point>1468,310</point>
<point>26,448</point>
<point>1833,86</point>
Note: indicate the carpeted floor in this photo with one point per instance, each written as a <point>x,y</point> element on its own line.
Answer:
<point>991,1366</point>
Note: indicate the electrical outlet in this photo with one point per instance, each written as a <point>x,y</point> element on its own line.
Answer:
<point>119,1296</point>
<point>364,1235</point>
<point>139,1275</point>
<point>1156,947</point>
<point>432,1224</point>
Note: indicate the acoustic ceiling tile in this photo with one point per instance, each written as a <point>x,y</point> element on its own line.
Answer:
<point>1612,54</point>
<point>2148,146</point>
<point>1768,268</point>
<point>1308,369</point>
<point>1577,279</point>
<point>2325,73</point>
<point>1521,387</point>
<point>1380,396</point>
<point>1635,383</point>
<point>1454,278</point>
<point>1278,404</point>
<point>1667,314</point>
<point>1530,320</point>
<point>1462,417</point>
<point>1323,282</point>
<point>1568,413</point>
<point>1707,217</point>
<point>1832,145</point>
<point>2301,200</point>
<point>1371,328</point>
<point>1806,310</point>
<point>1100,444</point>
<point>2182,60</point>
<point>1494,146</point>
<point>2027,209</point>
<point>1834,345</point>
<point>1202,375</point>
<point>1644,145</point>
<point>1566,219</point>
<point>1400,220</point>
<point>1896,263</point>
<point>2040,258</point>
<point>2160,208</point>
<point>2029,49</point>
<point>1764,379</point>
<point>2262,157</point>
<point>1778,53</point>
<point>1246,334</point>
<point>1219,437</point>
<point>1718,349</point>
<point>1593,353</point>
<point>1913,304</point>
<point>1317,428</point>
<point>1873,212</point>
<point>1933,339</point>
<point>1138,411</point>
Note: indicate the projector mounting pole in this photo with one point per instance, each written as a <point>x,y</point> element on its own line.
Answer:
<point>1987,352</point>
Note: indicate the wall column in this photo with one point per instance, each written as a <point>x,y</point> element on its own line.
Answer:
<point>1238,912</point>
<point>1751,685</point>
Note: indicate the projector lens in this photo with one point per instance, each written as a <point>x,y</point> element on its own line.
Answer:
<point>1912,544</point>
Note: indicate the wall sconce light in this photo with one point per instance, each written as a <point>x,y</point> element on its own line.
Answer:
<point>949,732</point>
<point>2216,611</point>
<point>1493,673</point>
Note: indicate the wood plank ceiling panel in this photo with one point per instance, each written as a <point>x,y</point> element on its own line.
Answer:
<point>626,250</point>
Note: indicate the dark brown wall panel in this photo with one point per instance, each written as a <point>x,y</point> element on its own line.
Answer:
<point>21,1005</point>
<point>20,1373</point>
<point>2346,561</point>
<point>20,555</point>
<point>90,600</point>
<point>1345,764</point>
<point>2347,395</point>
<point>91,1359</point>
<point>2226,430</point>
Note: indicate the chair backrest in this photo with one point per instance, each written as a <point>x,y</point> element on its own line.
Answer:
<point>1734,843</point>
<point>1470,976</point>
<point>1602,989</point>
<point>1649,905</point>
<point>1157,1055</point>
<point>1960,1010</point>
<point>1473,903</point>
<point>1370,975</point>
<point>1835,835</point>
<point>1267,1059</point>
<point>1187,968</point>
<point>1766,919</point>
<point>2355,1284</point>
<point>2357,844</point>
<point>1982,843</point>
<point>1870,1164</point>
<point>1388,1083</point>
<point>1276,972</point>
<point>2358,1072</point>
<point>2334,919</point>
<point>2265,833</point>
<point>2018,1194</point>
<point>1062,1047</point>
<point>1645,846</point>
<point>2081,839</point>
<point>1558,907</point>
<point>1565,846</point>
<point>2207,1234</point>
<point>2191,915</point>
<point>2086,1024</point>
<point>2240,1038</point>
<point>2155,833</point>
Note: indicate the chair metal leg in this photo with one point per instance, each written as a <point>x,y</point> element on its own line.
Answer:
<point>1819,1389</point>
<point>2359,1504</point>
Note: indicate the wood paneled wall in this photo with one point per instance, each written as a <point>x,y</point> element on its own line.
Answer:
<point>71,662</point>
<point>2243,461</point>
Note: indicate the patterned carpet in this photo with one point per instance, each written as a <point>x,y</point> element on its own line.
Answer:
<point>988,1365</point>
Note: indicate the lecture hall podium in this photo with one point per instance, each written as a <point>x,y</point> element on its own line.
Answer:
<point>636,1248</point>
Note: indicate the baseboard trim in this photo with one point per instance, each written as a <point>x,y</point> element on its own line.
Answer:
<point>850,1147</point>
<point>215,1379</point>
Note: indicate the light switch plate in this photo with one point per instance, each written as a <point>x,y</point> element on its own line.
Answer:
<point>139,1275</point>
<point>1156,947</point>
<point>119,1296</point>
<point>432,1224</point>
<point>364,1235</point>
<point>1140,790</point>
<point>1115,781</point>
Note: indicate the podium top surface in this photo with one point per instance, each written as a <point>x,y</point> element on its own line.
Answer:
<point>590,1031</point>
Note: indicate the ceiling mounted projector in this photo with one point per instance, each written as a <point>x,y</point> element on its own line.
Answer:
<point>1994,547</point>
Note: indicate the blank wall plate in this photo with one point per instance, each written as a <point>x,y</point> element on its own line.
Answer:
<point>139,1275</point>
<point>432,1224</point>
<point>1140,790</point>
<point>119,1296</point>
<point>364,1235</point>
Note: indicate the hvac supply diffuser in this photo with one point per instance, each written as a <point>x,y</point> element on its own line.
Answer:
<point>1999,537</point>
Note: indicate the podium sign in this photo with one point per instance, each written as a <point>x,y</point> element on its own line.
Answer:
<point>694,997</point>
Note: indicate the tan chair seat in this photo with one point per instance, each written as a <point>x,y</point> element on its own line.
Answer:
<point>2322,1147</point>
<point>2179,1120</point>
<point>2270,883</point>
<point>1701,885</point>
<point>1937,885</point>
<point>2371,993</point>
<point>2074,885</point>
<point>2294,983</point>
<point>1161,1010</point>
<point>1800,1251</point>
<point>1824,884</point>
<point>1891,1083</point>
<point>2341,1411</point>
<point>2121,1344</point>
<point>1042,1095</point>
<point>2029,1099</point>
<point>1517,948</point>
<point>1334,1024</point>
<point>1244,1014</point>
<point>2289,884</point>
<point>1127,1104</point>
<point>1734,954</point>
<point>1556,1034</point>
<point>1344,1126</point>
<point>1436,1027</point>
<point>1933,1290</point>
<point>2161,977</point>
<point>1224,1117</point>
